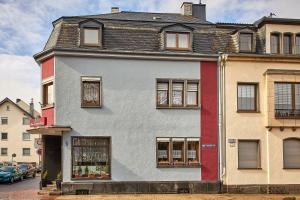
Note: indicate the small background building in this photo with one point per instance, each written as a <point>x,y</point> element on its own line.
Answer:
<point>14,121</point>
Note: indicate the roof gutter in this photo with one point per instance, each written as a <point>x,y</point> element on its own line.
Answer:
<point>124,55</point>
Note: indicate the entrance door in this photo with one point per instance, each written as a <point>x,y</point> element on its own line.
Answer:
<point>52,155</point>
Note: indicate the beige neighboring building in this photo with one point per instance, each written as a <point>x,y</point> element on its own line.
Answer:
<point>14,121</point>
<point>261,98</point>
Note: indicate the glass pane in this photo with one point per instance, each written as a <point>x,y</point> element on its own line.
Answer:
<point>50,94</point>
<point>163,149</point>
<point>274,43</point>
<point>192,98</point>
<point>248,154</point>
<point>283,96</point>
<point>171,40</point>
<point>287,44</point>
<point>297,44</point>
<point>246,97</point>
<point>297,97</point>
<point>162,97</point>
<point>193,152</point>
<point>91,158</point>
<point>245,42</point>
<point>91,36</point>
<point>177,95</point>
<point>178,152</point>
<point>91,93</point>
<point>183,40</point>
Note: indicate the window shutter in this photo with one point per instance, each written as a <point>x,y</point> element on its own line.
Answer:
<point>178,86</point>
<point>291,153</point>
<point>162,86</point>
<point>248,154</point>
<point>192,87</point>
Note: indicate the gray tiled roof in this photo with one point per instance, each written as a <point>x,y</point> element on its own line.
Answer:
<point>137,31</point>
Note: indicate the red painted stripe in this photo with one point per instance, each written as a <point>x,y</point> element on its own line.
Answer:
<point>49,114</point>
<point>209,121</point>
<point>48,68</point>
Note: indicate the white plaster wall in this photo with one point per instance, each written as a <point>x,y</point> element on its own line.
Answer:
<point>128,115</point>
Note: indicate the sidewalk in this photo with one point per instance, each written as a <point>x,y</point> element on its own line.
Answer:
<point>177,197</point>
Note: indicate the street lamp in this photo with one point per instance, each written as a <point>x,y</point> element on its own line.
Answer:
<point>12,157</point>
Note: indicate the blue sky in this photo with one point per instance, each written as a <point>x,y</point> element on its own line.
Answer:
<point>25,26</point>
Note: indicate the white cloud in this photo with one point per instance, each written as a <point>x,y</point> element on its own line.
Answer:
<point>19,78</point>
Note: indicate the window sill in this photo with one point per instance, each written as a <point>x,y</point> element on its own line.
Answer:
<point>27,140</point>
<point>285,168</point>
<point>179,166</point>
<point>90,179</point>
<point>247,111</point>
<point>91,106</point>
<point>4,139</point>
<point>44,107</point>
<point>250,168</point>
<point>4,155</point>
<point>179,107</point>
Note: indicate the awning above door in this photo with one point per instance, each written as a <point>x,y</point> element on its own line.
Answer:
<point>49,130</point>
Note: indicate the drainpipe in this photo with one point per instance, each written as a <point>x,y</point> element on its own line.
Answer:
<point>221,115</point>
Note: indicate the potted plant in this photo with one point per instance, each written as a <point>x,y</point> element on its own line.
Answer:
<point>86,171</point>
<point>79,171</point>
<point>44,180</point>
<point>58,180</point>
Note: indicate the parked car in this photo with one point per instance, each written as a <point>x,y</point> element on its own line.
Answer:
<point>10,174</point>
<point>27,170</point>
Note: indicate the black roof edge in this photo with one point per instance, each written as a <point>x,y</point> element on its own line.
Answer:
<point>269,20</point>
<point>176,24</point>
<point>6,99</point>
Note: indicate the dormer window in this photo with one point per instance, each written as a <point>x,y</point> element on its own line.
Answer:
<point>297,44</point>
<point>246,42</point>
<point>91,33</point>
<point>91,36</point>
<point>178,41</point>
<point>275,43</point>
<point>287,44</point>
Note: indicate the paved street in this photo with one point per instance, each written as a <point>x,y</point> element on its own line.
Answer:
<point>23,190</point>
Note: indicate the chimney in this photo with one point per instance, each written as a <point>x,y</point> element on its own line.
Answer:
<point>31,108</point>
<point>18,100</point>
<point>196,10</point>
<point>187,8</point>
<point>115,9</point>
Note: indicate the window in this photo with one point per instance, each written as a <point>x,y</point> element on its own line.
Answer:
<point>248,154</point>
<point>26,121</point>
<point>287,44</point>
<point>163,151</point>
<point>192,94</point>
<point>90,92</point>
<point>287,100</point>
<point>183,93</point>
<point>177,94</point>
<point>91,36</point>
<point>246,42</point>
<point>193,153</point>
<point>26,136</point>
<point>91,158</point>
<point>247,97</point>
<point>4,152</point>
<point>178,152</point>
<point>163,93</point>
<point>4,120</point>
<point>7,108</point>
<point>275,43</point>
<point>26,151</point>
<point>297,44</point>
<point>291,153</point>
<point>48,94</point>
<point>4,136</point>
<point>180,41</point>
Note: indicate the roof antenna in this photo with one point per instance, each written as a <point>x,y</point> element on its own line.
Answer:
<point>272,15</point>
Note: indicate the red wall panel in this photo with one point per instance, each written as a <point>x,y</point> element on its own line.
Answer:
<point>48,68</point>
<point>209,121</point>
<point>49,114</point>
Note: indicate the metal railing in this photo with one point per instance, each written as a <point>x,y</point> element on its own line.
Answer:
<point>287,113</point>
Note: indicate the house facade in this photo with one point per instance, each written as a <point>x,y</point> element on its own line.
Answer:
<point>261,136</point>
<point>130,102</point>
<point>14,139</point>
